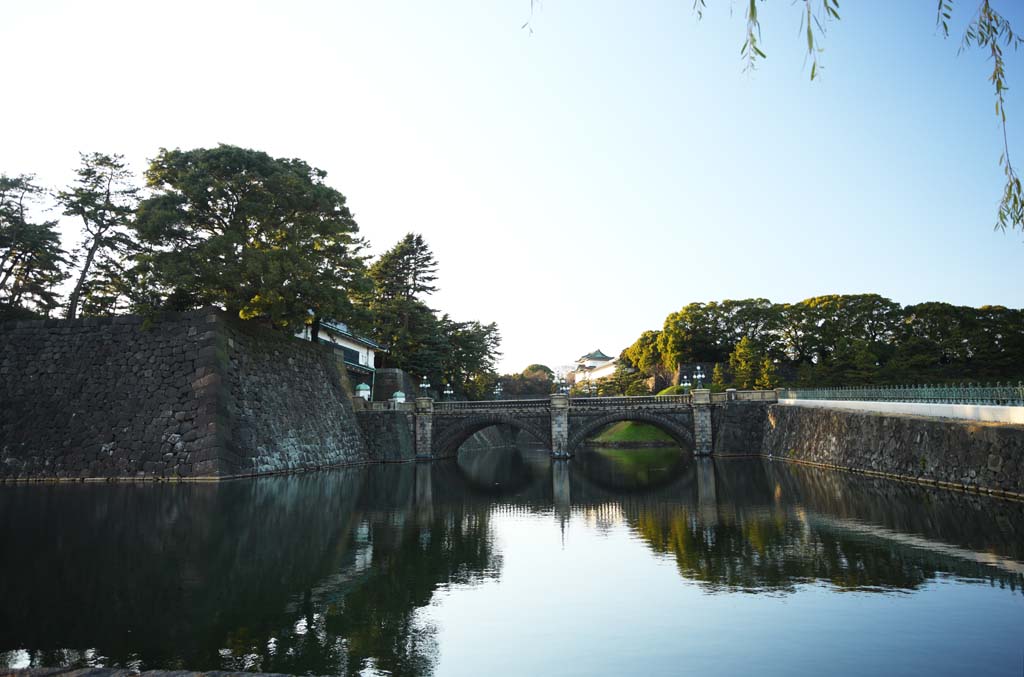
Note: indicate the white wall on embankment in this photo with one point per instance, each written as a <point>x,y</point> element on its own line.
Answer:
<point>970,412</point>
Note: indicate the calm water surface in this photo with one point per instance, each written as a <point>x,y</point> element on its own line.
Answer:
<point>618,562</point>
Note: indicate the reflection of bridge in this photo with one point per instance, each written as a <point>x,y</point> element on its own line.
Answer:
<point>562,423</point>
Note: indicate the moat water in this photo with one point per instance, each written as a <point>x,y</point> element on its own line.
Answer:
<point>620,562</point>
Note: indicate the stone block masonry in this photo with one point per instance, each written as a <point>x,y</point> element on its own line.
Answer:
<point>389,435</point>
<point>986,457</point>
<point>185,396</point>
<point>288,402</point>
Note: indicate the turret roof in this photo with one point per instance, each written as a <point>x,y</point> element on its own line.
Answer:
<point>596,355</point>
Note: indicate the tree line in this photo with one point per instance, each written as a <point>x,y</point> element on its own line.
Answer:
<point>264,238</point>
<point>837,339</point>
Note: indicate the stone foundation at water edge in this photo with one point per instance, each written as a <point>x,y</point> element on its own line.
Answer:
<point>963,454</point>
<point>193,395</point>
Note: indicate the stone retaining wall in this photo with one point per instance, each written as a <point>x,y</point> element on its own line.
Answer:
<point>738,428</point>
<point>389,435</point>
<point>190,395</point>
<point>970,455</point>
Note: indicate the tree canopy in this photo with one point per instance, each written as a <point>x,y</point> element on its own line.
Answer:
<point>32,262</point>
<point>841,339</point>
<point>418,340</point>
<point>104,198</point>
<point>263,237</point>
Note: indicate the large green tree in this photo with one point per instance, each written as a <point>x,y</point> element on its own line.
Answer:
<point>743,363</point>
<point>407,271</point>
<point>471,354</point>
<point>401,320</point>
<point>104,198</point>
<point>645,354</point>
<point>32,262</point>
<point>262,237</point>
<point>418,340</point>
<point>846,339</point>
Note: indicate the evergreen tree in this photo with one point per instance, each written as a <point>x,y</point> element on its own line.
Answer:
<point>407,271</point>
<point>743,364</point>
<point>104,198</point>
<point>262,237</point>
<point>766,379</point>
<point>718,378</point>
<point>31,259</point>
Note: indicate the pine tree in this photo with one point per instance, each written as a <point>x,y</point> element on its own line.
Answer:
<point>718,379</point>
<point>31,259</point>
<point>743,364</point>
<point>261,237</point>
<point>104,198</point>
<point>767,377</point>
<point>406,271</point>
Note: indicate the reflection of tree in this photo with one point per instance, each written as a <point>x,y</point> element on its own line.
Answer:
<point>282,574</point>
<point>761,532</point>
<point>365,616</point>
<point>378,618</point>
<point>767,551</point>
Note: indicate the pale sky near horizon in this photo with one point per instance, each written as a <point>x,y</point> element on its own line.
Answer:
<point>579,183</point>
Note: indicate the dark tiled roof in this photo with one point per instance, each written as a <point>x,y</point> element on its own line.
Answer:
<point>342,328</point>
<point>596,355</point>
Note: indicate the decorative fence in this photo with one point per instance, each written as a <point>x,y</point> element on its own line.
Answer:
<point>387,406</point>
<point>674,400</point>
<point>610,402</point>
<point>998,394</point>
<point>743,396</point>
<point>491,404</point>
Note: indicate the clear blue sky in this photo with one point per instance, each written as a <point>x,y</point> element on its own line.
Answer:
<point>579,183</point>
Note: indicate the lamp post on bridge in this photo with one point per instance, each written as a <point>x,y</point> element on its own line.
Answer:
<point>424,387</point>
<point>497,390</point>
<point>700,400</point>
<point>448,392</point>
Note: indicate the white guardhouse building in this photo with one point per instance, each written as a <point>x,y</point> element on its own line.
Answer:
<point>358,352</point>
<point>594,366</point>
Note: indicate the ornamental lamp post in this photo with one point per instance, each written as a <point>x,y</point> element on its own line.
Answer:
<point>448,392</point>
<point>698,376</point>
<point>497,390</point>
<point>424,386</point>
<point>686,382</point>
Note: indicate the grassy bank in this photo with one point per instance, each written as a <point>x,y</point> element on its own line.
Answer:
<point>629,433</point>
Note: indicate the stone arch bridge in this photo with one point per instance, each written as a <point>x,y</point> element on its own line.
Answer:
<point>562,423</point>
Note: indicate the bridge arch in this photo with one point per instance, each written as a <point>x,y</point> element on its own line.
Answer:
<point>679,432</point>
<point>451,439</point>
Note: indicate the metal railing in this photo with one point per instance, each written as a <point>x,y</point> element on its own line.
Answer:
<point>388,406</point>
<point>628,401</point>
<point>998,394</point>
<point>491,404</point>
<point>754,395</point>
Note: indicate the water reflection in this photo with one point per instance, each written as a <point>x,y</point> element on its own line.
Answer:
<point>327,572</point>
<point>627,470</point>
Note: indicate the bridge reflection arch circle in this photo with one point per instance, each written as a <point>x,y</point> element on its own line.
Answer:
<point>448,442</point>
<point>675,429</point>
